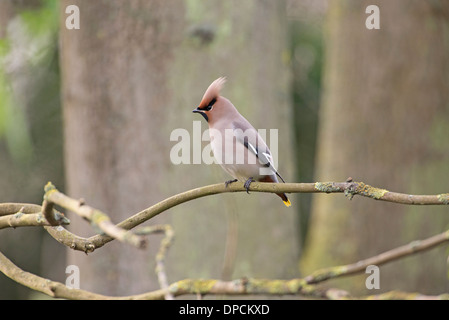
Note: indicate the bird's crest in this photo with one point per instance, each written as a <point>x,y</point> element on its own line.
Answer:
<point>213,92</point>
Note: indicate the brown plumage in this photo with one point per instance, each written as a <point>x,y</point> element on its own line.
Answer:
<point>236,145</point>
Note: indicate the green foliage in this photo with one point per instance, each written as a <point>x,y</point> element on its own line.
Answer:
<point>12,118</point>
<point>42,21</point>
<point>13,124</point>
<point>4,95</point>
<point>40,27</point>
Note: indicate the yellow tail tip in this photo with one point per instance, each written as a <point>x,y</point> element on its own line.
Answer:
<point>287,203</point>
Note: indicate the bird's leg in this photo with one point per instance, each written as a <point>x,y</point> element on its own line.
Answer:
<point>248,183</point>
<point>229,182</point>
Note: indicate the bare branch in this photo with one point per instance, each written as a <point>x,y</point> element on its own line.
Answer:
<point>46,286</point>
<point>13,208</point>
<point>349,188</point>
<point>24,215</point>
<point>388,256</point>
<point>94,216</point>
<point>189,286</point>
<point>71,240</point>
<point>27,220</point>
<point>300,286</point>
<point>400,295</point>
<point>47,210</point>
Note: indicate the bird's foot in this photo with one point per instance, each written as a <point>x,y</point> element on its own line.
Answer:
<point>229,182</point>
<point>247,184</point>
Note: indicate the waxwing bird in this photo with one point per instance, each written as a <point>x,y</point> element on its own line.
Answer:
<point>236,145</point>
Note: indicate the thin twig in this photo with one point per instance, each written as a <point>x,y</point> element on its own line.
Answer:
<point>160,256</point>
<point>231,242</point>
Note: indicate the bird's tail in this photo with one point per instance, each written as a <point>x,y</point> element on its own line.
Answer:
<point>284,198</point>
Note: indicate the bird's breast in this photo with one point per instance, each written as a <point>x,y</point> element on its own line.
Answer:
<point>233,156</point>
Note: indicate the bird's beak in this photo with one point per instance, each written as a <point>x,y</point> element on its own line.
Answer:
<point>201,113</point>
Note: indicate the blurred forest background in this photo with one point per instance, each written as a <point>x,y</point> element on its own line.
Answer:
<point>92,110</point>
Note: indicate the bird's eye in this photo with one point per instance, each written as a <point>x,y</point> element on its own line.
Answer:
<point>211,104</point>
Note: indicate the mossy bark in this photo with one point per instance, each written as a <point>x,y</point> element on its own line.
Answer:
<point>384,121</point>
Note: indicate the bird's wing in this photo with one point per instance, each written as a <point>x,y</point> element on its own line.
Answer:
<point>250,138</point>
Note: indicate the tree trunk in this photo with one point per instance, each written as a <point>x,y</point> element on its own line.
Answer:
<point>133,73</point>
<point>115,101</point>
<point>384,121</point>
